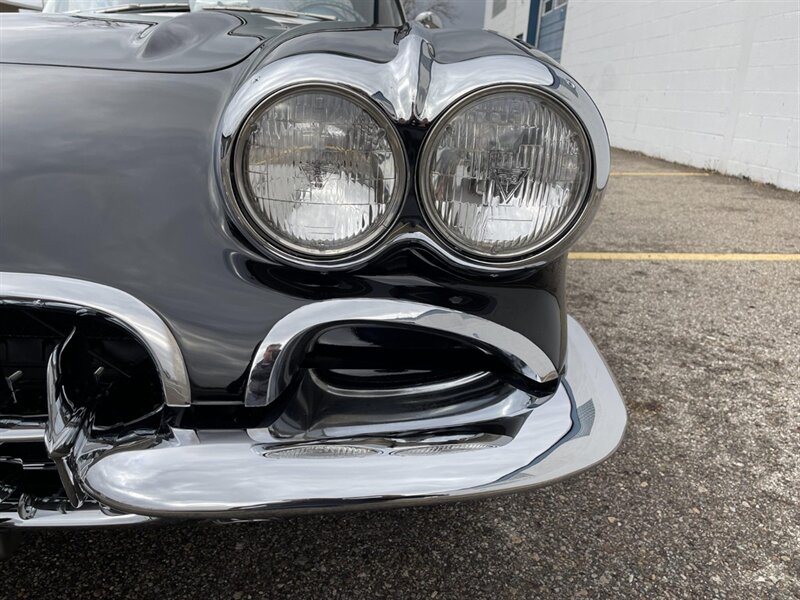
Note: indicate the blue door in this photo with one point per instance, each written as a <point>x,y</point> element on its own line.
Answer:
<point>551,26</point>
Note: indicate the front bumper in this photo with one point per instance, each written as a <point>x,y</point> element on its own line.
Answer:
<point>235,475</point>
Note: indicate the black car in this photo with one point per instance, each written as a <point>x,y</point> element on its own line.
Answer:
<point>276,257</point>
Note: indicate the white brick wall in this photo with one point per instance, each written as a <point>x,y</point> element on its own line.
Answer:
<point>709,83</point>
<point>511,21</point>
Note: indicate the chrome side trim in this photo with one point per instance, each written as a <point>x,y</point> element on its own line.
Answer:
<point>276,360</point>
<point>35,290</point>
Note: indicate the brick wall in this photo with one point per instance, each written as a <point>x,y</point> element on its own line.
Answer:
<point>712,84</point>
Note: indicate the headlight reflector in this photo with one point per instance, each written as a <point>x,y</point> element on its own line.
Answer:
<point>320,171</point>
<point>504,173</point>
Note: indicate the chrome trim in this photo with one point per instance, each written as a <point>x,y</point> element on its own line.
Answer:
<point>225,474</point>
<point>22,432</point>
<point>466,408</point>
<point>276,360</point>
<point>426,194</point>
<point>429,20</point>
<point>388,392</point>
<point>228,475</point>
<point>595,393</point>
<point>52,291</point>
<point>66,428</point>
<point>238,186</point>
<point>392,85</point>
<point>133,7</point>
<point>273,11</point>
<point>87,516</point>
<point>414,88</point>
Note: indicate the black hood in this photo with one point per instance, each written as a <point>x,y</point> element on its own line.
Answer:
<point>210,40</point>
<point>191,42</point>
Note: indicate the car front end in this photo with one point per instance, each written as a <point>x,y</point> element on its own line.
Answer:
<point>253,266</point>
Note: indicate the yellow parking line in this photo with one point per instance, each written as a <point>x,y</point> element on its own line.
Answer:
<point>658,174</point>
<point>684,256</point>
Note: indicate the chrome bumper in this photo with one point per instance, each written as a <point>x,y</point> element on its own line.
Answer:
<point>236,475</point>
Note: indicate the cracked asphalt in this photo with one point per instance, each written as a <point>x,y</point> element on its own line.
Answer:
<point>701,500</point>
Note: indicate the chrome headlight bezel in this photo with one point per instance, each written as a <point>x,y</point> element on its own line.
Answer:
<point>378,83</point>
<point>426,194</point>
<point>241,195</point>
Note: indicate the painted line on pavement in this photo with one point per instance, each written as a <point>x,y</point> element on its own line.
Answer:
<point>658,174</point>
<point>684,256</point>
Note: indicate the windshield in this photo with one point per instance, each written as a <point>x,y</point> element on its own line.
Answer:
<point>377,12</point>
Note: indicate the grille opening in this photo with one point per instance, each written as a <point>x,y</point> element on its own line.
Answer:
<point>378,380</point>
<point>105,368</point>
<point>26,471</point>
<point>25,345</point>
<point>378,357</point>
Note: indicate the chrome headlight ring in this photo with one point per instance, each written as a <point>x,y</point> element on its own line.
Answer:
<point>428,196</point>
<point>240,192</point>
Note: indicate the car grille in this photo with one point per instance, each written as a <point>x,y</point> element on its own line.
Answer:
<point>116,376</point>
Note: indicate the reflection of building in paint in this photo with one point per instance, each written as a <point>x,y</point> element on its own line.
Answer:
<point>539,22</point>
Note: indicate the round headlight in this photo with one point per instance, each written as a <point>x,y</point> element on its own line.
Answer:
<point>504,173</point>
<point>320,171</point>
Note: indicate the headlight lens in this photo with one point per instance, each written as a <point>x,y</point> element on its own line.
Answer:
<point>504,173</point>
<point>320,172</point>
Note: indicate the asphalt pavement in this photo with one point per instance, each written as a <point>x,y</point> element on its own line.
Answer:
<point>702,500</point>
